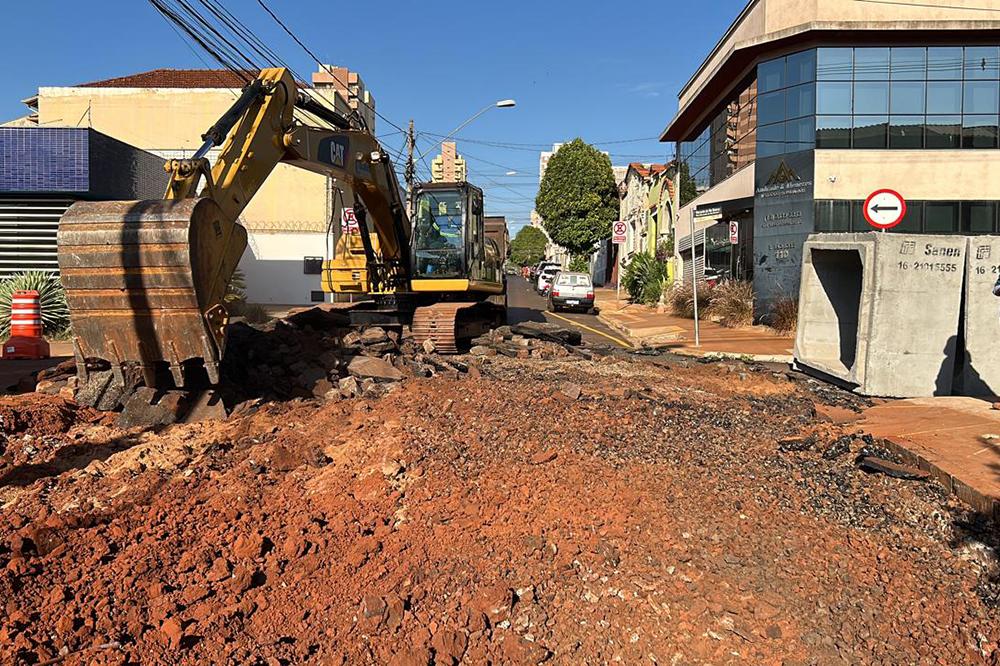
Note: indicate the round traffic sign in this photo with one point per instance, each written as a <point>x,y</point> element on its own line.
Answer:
<point>884,209</point>
<point>619,229</point>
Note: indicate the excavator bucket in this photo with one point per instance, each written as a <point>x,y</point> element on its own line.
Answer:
<point>145,282</point>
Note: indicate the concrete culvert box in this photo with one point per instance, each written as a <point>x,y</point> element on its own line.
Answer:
<point>980,362</point>
<point>879,312</point>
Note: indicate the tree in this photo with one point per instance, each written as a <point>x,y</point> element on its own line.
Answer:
<point>528,246</point>
<point>578,199</point>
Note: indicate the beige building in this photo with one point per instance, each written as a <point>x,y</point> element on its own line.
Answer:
<point>449,166</point>
<point>805,107</point>
<point>165,112</point>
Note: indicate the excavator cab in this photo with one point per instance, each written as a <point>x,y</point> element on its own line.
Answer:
<point>450,250</point>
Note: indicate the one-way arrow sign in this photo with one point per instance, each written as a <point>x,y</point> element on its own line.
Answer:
<point>884,209</point>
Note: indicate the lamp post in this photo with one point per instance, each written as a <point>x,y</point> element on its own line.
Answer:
<point>500,104</point>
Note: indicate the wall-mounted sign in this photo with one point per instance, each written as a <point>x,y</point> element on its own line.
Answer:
<point>710,211</point>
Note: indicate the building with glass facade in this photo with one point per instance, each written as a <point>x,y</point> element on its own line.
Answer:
<point>804,109</point>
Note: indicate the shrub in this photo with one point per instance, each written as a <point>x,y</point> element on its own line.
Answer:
<point>681,300</point>
<point>255,313</point>
<point>643,278</point>
<point>51,296</point>
<point>784,315</point>
<point>732,303</point>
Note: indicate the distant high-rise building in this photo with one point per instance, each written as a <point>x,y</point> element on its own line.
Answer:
<point>449,166</point>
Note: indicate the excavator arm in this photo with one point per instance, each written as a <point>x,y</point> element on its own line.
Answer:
<point>145,280</point>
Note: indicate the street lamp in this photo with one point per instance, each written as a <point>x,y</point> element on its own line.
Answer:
<point>501,104</point>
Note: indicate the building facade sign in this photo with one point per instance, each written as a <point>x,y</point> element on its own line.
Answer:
<point>783,219</point>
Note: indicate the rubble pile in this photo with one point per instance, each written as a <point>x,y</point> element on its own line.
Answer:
<point>535,510</point>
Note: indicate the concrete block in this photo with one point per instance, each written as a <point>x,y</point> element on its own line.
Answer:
<point>880,311</point>
<point>980,364</point>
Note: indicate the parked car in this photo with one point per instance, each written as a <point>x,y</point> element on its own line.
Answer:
<point>572,291</point>
<point>545,279</point>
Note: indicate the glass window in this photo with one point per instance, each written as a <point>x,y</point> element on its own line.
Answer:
<point>906,97</point>
<point>834,64</point>
<point>871,97</point>
<point>871,64</point>
<point>870,131</point>
<point>982,97</point>
<point>833,215</point>
<point>912,220</point>
<point>833,132</point>
<point>944,132</point>
<point>941,217</point>
<point>800,134</point>
<point>944,62</point>
<point>800,101</point>
<point>771,140</point>
<point>771,107</point>
<point>800,68</point>
<point>979,131</point>
<point>833,98</point>
<point>908,63</point>
<point>979,217</point>
<point>906,132</point>
<point>771,75</point>
<point>944,97</point>
<point>437,244</point>
<point>982,62</point>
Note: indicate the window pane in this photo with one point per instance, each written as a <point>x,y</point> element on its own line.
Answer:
<point>771,107</point>
<point>944,97</point>
<point>912,220</point>
<point>982,97</point>
<point>800,101</point>
<point>800,68</point>
<point>982,62</point>
<point>771,140</point>
<point>871,64</point>
<point>771,75</point>
<point>870,131</point>
<point>833,131</point>
<point>871,97</point>
<point>944,62</point>
<point>906,132</point>
<point>941,217</point>
<point>944,132</point>
<point>907,97</point>
<point>799,134</point>
<point>978,217</point>
<point>979,131</point>
<point>833,216</point>
<point>834,64</point>
<point>833,98</point>
<point>908,63</point>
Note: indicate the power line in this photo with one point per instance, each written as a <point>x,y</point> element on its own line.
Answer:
<point>321,64</point>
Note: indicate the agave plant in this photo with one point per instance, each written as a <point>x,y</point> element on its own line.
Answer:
<point>51,296</point>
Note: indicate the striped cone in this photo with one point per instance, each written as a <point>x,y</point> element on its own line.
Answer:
<point>25,341</point>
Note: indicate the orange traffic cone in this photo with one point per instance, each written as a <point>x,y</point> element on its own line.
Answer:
<point>25,341</point>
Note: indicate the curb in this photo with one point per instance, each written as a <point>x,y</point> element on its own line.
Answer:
<point>735,356</point>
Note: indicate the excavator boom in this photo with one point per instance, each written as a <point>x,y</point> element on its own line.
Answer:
<point>145,280</point>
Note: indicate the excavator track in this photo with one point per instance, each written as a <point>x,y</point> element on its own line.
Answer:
<point>449,324</point>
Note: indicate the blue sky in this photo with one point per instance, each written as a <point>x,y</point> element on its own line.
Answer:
<point>598,70</point>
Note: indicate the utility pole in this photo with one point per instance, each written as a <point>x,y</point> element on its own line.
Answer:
<point>411,143</point>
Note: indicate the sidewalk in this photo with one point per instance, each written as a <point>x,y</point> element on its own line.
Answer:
<point>956,439</point>
<point>642,324</point>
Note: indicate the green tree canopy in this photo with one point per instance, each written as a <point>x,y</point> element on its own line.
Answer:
<point>578,199</point>
<point>528,246</point>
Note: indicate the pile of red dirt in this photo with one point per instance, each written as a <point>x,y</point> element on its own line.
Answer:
<point>567,511</point>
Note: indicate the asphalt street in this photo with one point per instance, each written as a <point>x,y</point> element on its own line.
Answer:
<point>524,304</point>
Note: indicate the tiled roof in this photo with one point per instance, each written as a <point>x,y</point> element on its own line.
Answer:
<point>174,78</point>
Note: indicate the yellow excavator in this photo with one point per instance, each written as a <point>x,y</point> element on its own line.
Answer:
<point>145,280</point>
